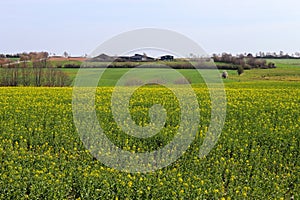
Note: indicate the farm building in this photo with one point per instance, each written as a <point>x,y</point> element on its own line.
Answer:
<point>167,58</point>
<point>139,57</point>
<point>135,58</point>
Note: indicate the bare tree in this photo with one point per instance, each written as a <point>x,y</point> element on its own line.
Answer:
<point>66,54</point>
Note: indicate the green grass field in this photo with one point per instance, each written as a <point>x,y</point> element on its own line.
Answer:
<point>256,157</point>
<point>286,63</point>
<point>287,70</point>
<point>110,76</point>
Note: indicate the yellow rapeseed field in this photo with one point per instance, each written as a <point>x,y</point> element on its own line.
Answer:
<point>256,157</point>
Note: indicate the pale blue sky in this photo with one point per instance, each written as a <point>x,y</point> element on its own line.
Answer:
<point>79,26</point>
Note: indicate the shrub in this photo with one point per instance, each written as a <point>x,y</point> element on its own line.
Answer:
<point>224,74</point>
<point>71,66</point>
<point>240,70</point>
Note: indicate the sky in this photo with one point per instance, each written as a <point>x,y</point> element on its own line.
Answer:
<point>79,26</point>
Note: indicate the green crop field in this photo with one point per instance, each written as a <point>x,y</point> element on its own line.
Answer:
<point>287,70</point>
<point>256,157</point>
<point>111,76</point>
<point>286,63</point>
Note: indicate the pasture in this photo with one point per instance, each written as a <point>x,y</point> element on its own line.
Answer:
<point>287,70</point>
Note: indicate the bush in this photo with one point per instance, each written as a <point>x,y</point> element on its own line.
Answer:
<point>71,66</point>
<point>224,74</point>
<point>271,65</point>
<point>240,70</point>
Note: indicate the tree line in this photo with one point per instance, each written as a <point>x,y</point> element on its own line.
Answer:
<point>246,62</point>
<point>31,69</point>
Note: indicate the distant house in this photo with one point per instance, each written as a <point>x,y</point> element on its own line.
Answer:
<point>139,57</point>
<point>122,59</point>
<point>167,58</point>
<point>135,58</point>
<point>102,58</point>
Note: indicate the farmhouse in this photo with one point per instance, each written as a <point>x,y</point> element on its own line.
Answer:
<point>139,57</point>
<point>167,58</point>
<point>135,58</point>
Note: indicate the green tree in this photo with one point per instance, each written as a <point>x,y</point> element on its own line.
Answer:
<point>240,70</point>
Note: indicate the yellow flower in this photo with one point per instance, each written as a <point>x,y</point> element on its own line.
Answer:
<point>216,191</point>
<point>129,183</point>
